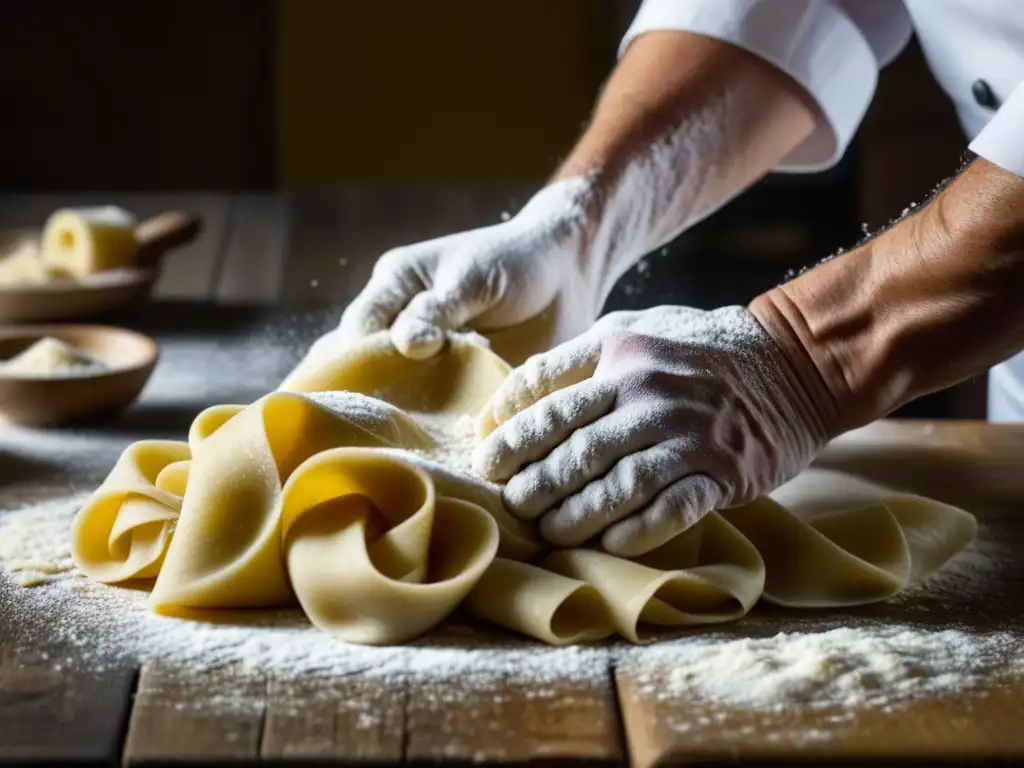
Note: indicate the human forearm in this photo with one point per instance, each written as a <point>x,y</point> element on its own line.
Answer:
<point>934,300</point>
<point>684,124</point>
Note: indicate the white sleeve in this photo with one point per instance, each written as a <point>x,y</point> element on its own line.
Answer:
<point>832,48</point>
<point>1001,142</point>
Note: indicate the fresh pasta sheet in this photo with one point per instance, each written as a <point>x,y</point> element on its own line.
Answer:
<point>334,493</point>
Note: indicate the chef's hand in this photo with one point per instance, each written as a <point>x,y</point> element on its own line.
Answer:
<point>651,420</point>
<point>488,278</point>
<point>684,124</point>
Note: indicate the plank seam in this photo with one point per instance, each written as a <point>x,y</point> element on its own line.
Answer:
<point>405,723</point>
<point>625,752</point>
<point>261,731</point>
<point>127,719</point>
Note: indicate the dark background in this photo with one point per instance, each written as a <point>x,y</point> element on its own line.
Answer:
<point>334,103</point>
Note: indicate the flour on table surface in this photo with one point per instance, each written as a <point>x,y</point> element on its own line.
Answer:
<point>842,668</point>
<point>862,662</point>
<point>875,660</point>
<point>35,542</point>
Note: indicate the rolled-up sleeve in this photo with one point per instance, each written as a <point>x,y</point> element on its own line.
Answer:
<point>1001,142</point>
<point>832,49</point>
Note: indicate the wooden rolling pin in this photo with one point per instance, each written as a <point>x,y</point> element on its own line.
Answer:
<point>161,233</point>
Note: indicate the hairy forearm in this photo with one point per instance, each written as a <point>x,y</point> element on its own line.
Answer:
<point>684,124</point>
<point>934,300</point>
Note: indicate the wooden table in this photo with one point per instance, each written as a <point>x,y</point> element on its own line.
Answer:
<point>158,714</point>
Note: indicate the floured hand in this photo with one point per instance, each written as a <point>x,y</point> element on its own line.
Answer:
<point>487,279</point>
<point>641,426</point>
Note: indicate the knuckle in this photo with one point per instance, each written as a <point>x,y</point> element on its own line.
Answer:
<point>394,259</point>
<point>621,343</point>
<point>421,306</point>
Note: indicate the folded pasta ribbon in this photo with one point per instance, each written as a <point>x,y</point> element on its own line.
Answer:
<point>324,494</point>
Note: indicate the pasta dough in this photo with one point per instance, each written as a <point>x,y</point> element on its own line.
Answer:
<point>75,245</point>
<point>23,265</point>
<point>84,241</point>
<point>324,493</point>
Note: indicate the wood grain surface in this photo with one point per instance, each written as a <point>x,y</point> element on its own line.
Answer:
<point>342,720</point>
<point>573,721</point>
<point>201,715</point>
<point>973,465</point>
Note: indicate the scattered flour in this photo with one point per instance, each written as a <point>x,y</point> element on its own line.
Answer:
<point>455,436</point>
<point>880,658</point>
<point>864,662</point>
<point>842,668</point>
<point>35,541</point>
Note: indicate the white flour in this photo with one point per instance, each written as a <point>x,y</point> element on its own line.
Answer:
<point>864,663</point>
<point>52,358</point>
<point>455,436</point>
<point>841,668</point>
<point>35,541</point>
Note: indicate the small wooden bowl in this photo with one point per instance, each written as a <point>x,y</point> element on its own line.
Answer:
<point>37,401</point>
<point>34,304</point>
<point>70,300</point>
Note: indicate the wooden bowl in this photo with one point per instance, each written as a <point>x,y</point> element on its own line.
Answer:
<point>69,300</point>
<point>36,401</point>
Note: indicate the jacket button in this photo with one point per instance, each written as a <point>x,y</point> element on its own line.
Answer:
<point>984,95</point>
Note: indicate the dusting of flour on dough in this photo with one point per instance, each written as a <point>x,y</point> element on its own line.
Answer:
<point>454,435</point>
<point>367,412</point>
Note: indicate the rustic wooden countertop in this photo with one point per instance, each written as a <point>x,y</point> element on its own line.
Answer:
<point>152,715</point>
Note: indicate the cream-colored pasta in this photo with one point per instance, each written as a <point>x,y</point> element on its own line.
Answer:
<point>324,494</point>
<point>374,555</point>
<point>124,530</point>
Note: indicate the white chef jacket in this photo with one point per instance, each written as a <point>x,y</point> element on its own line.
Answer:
<point>835,48</point>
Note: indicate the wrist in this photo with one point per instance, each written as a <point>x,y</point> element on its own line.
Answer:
<point>849,320</point>
<point>818,371</point>
<point>925,305</point>
<point>575,211</point>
